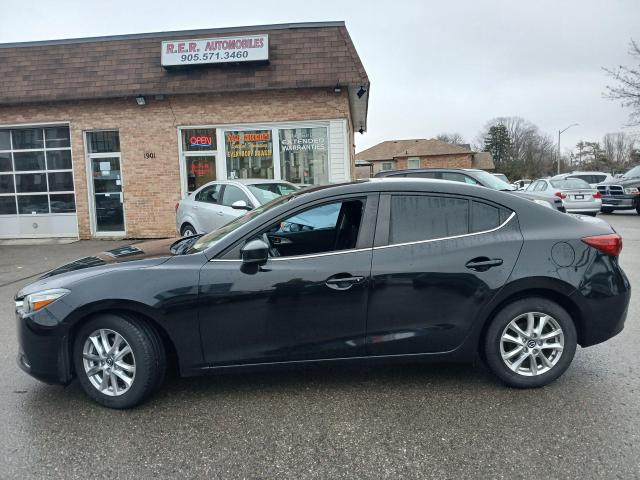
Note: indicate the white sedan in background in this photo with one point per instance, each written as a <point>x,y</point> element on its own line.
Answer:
<point>217,203</point>
<point>576,194</point>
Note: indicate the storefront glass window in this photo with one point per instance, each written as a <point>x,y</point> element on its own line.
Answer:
<point>249,154</point>
<point>304,156</point>
<point>198,139</point>
<point>201,169</point>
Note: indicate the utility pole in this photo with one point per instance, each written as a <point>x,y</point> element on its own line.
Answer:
<point>560,132</point>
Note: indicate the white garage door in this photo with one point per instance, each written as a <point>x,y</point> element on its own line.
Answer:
<point>37,196</point>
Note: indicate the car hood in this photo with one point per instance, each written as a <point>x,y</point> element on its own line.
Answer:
<point>139,255</point>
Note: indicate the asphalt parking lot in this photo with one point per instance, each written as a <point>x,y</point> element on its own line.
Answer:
<point>421,421</point>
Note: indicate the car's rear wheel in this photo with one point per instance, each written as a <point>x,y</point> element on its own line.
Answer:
<point>606,210</point>
<point>118,359</point>
<point>530,343</point>
<point>187,230</point>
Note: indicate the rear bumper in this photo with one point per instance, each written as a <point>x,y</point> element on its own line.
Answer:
<point>619,202</point>
<point>603,302</point>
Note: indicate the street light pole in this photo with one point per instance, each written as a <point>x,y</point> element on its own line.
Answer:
<point>560,132</point>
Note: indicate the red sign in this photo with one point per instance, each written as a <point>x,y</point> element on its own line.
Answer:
<point>200,141</point>
<point>200,168</point>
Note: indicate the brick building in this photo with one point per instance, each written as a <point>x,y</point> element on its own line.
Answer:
<point>420,153</point>
<point>101,137</point>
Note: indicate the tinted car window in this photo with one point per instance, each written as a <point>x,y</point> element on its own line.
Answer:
<point>233,194</point>
<point>456,177</point>
<point>487,217</point>
<point>423,174</point>
<point>421,217</point>
<point>210,194</point>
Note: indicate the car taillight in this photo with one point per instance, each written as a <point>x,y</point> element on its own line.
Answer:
<point>597,195</point>
<point>610,244</point>
<point>177,205</point>
<point>560,195</point>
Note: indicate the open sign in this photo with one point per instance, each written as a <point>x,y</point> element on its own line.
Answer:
<point>200,141</point>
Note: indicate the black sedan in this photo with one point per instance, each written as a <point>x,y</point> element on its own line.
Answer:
<point>382,270</point>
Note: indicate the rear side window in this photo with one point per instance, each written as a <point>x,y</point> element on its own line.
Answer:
<point>422,217</point>
<point>422,174</point>
<point>487,217</point>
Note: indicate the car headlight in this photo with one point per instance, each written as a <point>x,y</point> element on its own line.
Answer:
<point>630,190</point>
<point>544,203</point>
<point>36,301</point>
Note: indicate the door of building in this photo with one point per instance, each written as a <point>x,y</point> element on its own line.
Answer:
<point>105,183</point>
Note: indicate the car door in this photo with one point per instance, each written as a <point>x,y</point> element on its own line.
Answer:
<point>302,305</point>
<point>230,195</point>
<point>437,262</point>
<point>207,207</point>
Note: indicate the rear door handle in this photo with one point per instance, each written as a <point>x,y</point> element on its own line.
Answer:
<point>482,264</point>
<point>342,283</point>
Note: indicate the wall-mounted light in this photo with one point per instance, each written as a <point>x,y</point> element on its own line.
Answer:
<point>140,100</point>
<point>361,131</point>
<point>361,92</point>
<point>337,88</point>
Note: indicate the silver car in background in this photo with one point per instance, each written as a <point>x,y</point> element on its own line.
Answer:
<point>576,194</point>
<point>592,178</point>
<point>217,203</point>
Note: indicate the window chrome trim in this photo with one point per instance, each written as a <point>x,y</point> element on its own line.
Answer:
<point>299,257</point>
<point>513,214</point>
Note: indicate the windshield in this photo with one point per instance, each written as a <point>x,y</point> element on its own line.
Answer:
<point>265,192</point>
<point>211,238</point>
<point>491,181</point>
<point>633,173</point>
<point>569,183</point>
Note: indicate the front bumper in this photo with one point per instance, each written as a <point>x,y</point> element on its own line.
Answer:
<point>619,202</point>
<point>43,348</point>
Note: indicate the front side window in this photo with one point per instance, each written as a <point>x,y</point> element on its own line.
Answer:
<point>210,194</point>
<point>304,155</point>
<point>232,194</point>
<point>249,154</point>
<point>325,228</point>
<point>422,217</point>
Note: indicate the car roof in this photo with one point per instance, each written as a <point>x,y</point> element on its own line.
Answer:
<point>251,181</point>
<point>391,173</point>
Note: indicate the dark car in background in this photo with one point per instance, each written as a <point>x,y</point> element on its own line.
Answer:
<point>380,270</point>
<point>621,193</point>
<point>474,176</point>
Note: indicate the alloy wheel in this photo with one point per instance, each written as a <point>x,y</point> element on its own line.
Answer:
<point>531,344</point>
<point>109,362</point>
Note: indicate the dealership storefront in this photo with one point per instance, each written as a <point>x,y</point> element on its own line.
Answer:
<point>107,148</point>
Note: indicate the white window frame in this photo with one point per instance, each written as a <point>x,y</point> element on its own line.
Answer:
<point>413,159</point>
<point>90,187</point>
<point>221,152</point>
<point>382,165</point>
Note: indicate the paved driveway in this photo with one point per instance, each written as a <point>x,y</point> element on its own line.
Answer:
<point>421,421</point>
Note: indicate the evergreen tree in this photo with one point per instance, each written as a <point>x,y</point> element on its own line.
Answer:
<point>498,143</point>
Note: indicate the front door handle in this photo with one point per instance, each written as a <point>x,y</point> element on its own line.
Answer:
<point>220,213</point>
<point>482,264</point>
<point>340,282</point>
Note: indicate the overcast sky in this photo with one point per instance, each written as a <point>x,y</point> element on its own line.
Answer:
<point>434,66</point>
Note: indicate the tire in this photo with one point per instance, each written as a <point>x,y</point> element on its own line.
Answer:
<point>147,358</point>
<point>187,230</point>
<point>522,376</point>
<point>592,214</point>
<point>606,210</point>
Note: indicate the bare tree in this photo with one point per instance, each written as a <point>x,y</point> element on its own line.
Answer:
<point>618,148</point>
<point>452,138</point>
<point>627,87</point>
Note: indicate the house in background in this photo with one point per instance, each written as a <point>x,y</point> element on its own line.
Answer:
<point>419,153</point>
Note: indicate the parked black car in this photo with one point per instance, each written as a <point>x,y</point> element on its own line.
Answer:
<point>473,176</point>
<point>381,270</point>
<point>621,193</point>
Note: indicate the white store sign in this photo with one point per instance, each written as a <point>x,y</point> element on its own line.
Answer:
<point>250,48</point>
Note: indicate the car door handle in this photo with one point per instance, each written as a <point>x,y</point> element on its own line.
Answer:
<point>195,207</point>
<point>220,213</point>
<point>338,282</point>
<point>482,264</point>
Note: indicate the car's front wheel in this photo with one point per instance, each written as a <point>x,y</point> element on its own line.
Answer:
<point>119,360</point>
<point>187,230</point>
<point>530,343</point>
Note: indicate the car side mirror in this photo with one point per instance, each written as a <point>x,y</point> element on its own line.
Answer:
<point>241,205</point>
<point>255,252</point>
